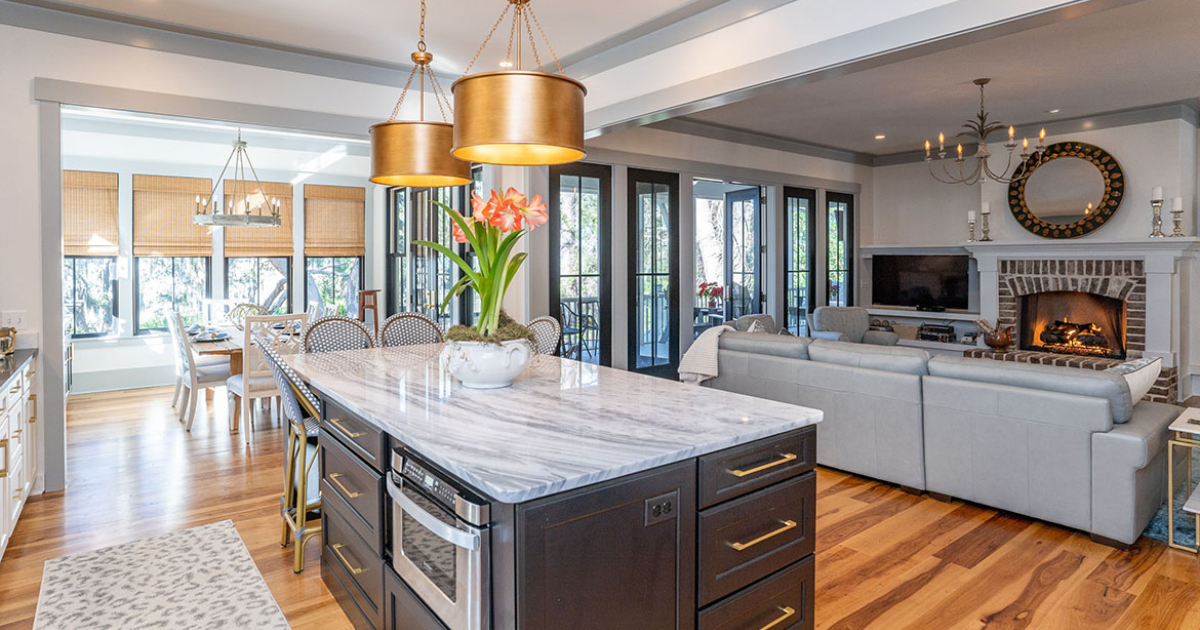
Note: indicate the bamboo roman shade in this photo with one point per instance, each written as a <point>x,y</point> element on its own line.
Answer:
<point>162,216</point>
<point>334,218</point>
<point>264,242</point>
<point>89,213</point>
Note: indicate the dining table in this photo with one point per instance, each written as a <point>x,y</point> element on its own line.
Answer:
<point>231,346</point>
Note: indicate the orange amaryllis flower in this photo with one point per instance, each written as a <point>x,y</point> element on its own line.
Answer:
<point>481,209</point>
<point>507,218</point>
<point>535,212</point>
<point>459,237</point>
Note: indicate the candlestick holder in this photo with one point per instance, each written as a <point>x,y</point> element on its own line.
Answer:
<point>1156,222</point>
<point>1177,218</point>
<point>971,230</point>
<point>986,229</point>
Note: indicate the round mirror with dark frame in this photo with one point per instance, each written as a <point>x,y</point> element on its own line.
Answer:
<point>1071,190</point>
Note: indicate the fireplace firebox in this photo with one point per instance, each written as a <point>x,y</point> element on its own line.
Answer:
<point>1073,322</point>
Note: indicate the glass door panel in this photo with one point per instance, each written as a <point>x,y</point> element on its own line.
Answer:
<point>839,222</point>
<point>654,300</point>
<point>743,252</point>
<point>579,260</point>
<point>798,212</point>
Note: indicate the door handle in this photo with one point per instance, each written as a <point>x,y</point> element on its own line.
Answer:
<point>452,535</point>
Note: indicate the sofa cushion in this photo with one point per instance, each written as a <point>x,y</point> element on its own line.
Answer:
<point>1048,378</point>
<point>1141,374</point>
<point>890,359</point>
<point>742,324</point>
<point>773,345</point>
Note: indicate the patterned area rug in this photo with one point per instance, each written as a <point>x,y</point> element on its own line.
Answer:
<point>1185,524</point>
<point>201,577</point>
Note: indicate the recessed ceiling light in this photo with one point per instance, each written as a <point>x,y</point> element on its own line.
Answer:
<point>880,136</point>
<point>1052,111</point>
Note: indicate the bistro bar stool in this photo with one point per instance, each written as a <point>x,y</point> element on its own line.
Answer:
<point>546,333</point>
<point>409,329</point>
<point>301,493</point>
<point>329,334</point>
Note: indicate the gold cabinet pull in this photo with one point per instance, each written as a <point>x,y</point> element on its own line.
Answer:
<point>337,422</point>
<point>349,495</point>
<point>337,548</point>
<point>4,445</point>
<point>787,611</point>
<point>746,545</point>
<point>33,414</point>
<point>783,459</point>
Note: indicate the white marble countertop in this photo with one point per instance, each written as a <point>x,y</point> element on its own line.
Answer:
<point>562,425</point>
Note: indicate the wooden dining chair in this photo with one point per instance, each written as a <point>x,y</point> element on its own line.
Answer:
<point>409,329</point>
<point>547,333</point>
<point>329,334</point>
<point>281,333</point>
<point>301,476</point>
<point>196,376</point>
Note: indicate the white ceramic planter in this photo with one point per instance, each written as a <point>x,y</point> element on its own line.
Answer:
<point>481,365</point>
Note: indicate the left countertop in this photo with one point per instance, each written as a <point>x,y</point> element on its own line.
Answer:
<point>562,425</point>
<point>12,364</point>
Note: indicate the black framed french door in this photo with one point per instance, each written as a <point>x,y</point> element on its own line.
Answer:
<point>839,248</point>
<point>581,260</point>
<point>800,205</point>
<point>419,278</point>
<point>743,252</point>
<point>653,204</point>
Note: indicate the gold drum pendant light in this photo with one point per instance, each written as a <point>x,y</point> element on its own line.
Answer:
<point>517,116</point>
<point>417,152</point>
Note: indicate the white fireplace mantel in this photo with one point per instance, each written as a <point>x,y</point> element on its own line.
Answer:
<point>1165,305</point>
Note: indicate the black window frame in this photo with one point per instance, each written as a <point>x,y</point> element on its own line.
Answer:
<point>258,281</point>
<point>114,313</point>
<point>810,195</point>
<point>848,199</point>
<point>759,301</point>
<point>362,268</point>
<point>671,180</point>
<point>603,173</point>
<point>137,289</point>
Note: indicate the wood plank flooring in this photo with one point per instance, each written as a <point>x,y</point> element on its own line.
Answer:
<point>885,559</point>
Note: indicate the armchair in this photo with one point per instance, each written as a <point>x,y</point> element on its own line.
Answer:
<point>849,323</point>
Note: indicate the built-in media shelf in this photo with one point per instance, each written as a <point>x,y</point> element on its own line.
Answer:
<point>954,347</point>
<point>884,311</point>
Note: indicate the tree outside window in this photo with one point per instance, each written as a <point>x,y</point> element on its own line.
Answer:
<point>89,295</point>
<point>261,281</point>
<point>165,284</point>
<point>333,284</point>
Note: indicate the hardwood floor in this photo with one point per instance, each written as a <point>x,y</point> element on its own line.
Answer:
<point>885,559</point>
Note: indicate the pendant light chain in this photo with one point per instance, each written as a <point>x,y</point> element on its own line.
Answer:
<point>421,61</point>
<point>523,12</point>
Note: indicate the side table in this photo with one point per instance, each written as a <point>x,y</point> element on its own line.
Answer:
<point>1185,433</point>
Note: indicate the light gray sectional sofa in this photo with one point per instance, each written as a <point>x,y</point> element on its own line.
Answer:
<point>1063,445</point>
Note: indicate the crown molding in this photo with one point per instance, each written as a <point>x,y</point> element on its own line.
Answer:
<point>716,131</point>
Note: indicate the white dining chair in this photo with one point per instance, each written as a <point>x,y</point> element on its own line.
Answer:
<point>196,375</point>
<point>180,367</point>
<point>216,312</point>
<point>282,334</point>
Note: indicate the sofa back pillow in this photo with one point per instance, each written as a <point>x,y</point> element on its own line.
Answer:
<point>757,343</point>
<point>1047,378</point>
<point>1140,374</point>
<point>887,358</point>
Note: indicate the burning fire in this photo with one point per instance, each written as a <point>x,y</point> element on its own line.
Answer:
<point>1074,338</point>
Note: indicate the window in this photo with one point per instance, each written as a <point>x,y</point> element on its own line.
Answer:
<point>798,209</point>
<point>89,295</point>
<point>839,221</point>
<point>262,281</point>
<point>709,225</point>
<point>334,246</point>
<point>654,272</point>
<point>580,279</point>
<point>333,283</point>
<point>400,289</point>
<point>172,255</point>
<point>166,284</point>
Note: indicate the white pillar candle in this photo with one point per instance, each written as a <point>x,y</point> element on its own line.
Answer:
<point>987,208</point>
<point>1156,193</point>
<point>971,215</point>
<point>1177,204</point>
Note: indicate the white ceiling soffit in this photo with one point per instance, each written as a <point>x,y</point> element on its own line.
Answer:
<point>801,42</point>
<point>1132,57</point>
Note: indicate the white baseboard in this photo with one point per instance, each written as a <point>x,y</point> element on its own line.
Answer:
<point>129,378</point>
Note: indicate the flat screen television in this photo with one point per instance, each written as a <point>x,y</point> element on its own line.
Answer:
<point>920,281</point>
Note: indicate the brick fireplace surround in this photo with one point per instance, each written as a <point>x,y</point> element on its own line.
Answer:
<point>1144,275</point>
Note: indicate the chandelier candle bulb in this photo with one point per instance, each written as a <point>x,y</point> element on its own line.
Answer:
<point>1012,132</point>
<point>927,156</point>
<point>941,142</point>
<point>960,152</point>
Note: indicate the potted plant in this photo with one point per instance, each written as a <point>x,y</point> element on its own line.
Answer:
<point>497,349</point>
<point>711,292</point>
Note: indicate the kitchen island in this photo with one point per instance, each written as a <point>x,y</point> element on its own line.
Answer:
<point>580,497</point>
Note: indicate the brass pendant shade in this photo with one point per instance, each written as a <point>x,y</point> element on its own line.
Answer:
<point>415,153</point>
<point>520,118</point>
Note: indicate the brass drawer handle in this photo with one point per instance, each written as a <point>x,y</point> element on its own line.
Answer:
<point>337,422</point>
<point>746,545</point>
<point>15,389</point>
<point>16,433</point>
<point>785,458</point>
<point>4,444</point>
<point>787,611</point>
<point>33,414</point>
<point>337,548</point>
<point>345,491</point>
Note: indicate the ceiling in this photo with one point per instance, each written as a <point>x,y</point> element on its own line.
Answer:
<point>386,30</point>
<point>1129,57</point>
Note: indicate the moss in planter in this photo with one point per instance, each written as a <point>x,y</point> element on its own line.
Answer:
<point>509,330</point>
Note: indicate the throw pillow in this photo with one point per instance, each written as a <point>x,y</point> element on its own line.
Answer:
<point>757,327</point>
<point>1140,374</point>
<point>785,332</point>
